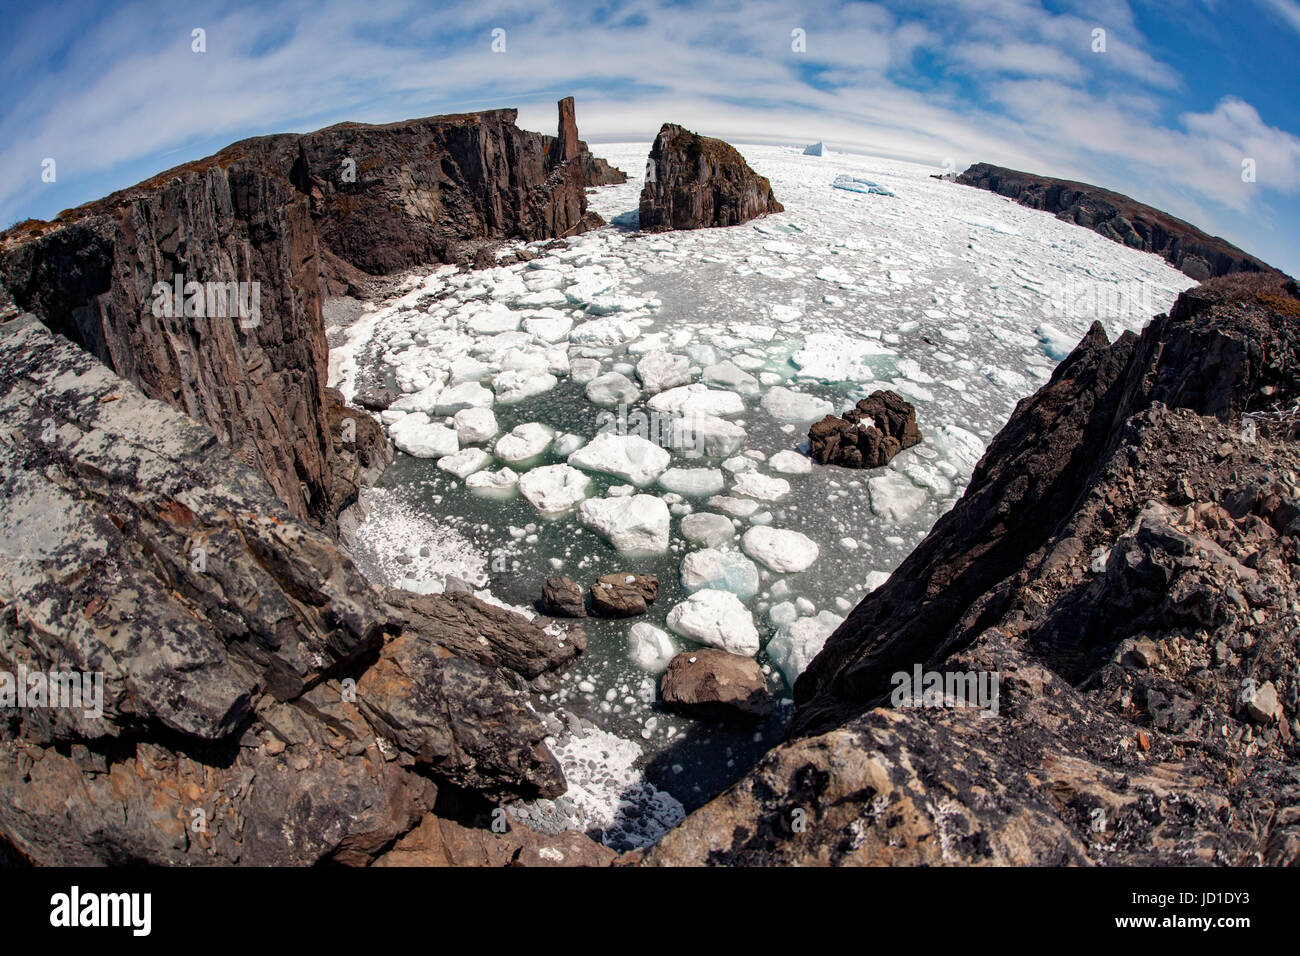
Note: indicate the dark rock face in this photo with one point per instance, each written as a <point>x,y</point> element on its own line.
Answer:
<point>1120,219</point>
<point>1124,561</point>
<point>302,217</point>
<point>261,703</point>
<point>708,682</point>
<point>567,147</point>
<point>693,182</point>
<point>623,595</point>
<point>890,427</point>
<point>562,597</point>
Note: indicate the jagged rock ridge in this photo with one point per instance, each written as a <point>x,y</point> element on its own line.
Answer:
<point>262,704</point>
<point>303,217</point>
<point>1124,559</point>
<point>1120,219</point>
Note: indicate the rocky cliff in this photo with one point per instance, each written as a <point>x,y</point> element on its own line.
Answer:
<point>1124,562</point>
<point>694,182</point>
<point>260,703</point>
<point>1120,219</point>
<point>293,218</point>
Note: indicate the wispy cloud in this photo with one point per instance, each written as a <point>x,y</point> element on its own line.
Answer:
<point>116,95</point>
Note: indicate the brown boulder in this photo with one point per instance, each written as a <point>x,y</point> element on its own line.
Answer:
<point>712,683</point>
<point>623,595</point>
<point>561,597</point>
<point>868,435</point>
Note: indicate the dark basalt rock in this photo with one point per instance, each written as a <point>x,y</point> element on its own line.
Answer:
<point>562,597</point>
<point>623,595</point>
<point>868,435</point>
<point>302,216</point>
<point>1120,219</point>
<point>1124,560</point>
<point>252,680</point>
<point>708,682</point>
<point>694,182</point>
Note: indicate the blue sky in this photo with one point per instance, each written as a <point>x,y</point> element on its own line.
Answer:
<point>1184,91</point>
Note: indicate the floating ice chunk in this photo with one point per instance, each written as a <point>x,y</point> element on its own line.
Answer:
<point>567,444</point>
<point>721,571</point>
<point>1005,377</point>
<point>706,435</point>
<point>637,523</point>
<point>1056,343</point>
<point>604,332</point>
<point>524,360</point>
<point>515,386</point>
<point>740,507</point>
<point>620,491</point>
<point>707,529</point>
<point>629,457</point>
<point>798,642</point>
<point>718,619</point>
<point>474,425</point>
<point>856,184</point>
<point>781,550</point>
<point>554,489</point>
<point>493,320</point>
<point>583,370</point>
<point>466,395</point>
<point>549,325</point>
<point>659,371</point>
<point>542,298</point>
<point>465,462</point>
<point>893,497</point>
<point>959,446</point>
<point>790,463</point>
<point>503,480</point>
<point>524,442</point>
<point>784,612</point>
<point>825,357</point>
<point>693,481</point>
<point>751,484</point>
<point>425,400</point>
<point>420,438</point>
<point>738,463</point>
<point>469,369</point>
<point>650,648</point>
<point>757,333</point>
<point>612,388</point>
<point>789,406</point>
<point>729,375</point>
<point>702,354</point>
<point>697,399</point>
<point>875,579</point>
<point>612,304</point>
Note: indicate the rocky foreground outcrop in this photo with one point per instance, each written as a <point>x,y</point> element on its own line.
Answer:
<point>1124,561</point>
<point>294,218</point>
<point>694,182</point>
<point>261,703</point>
<point>1120,219</point>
